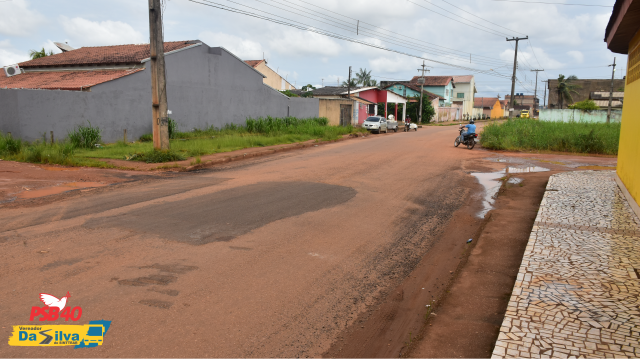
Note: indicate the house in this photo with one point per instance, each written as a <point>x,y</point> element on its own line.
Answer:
<point>464,93</point>
<point>411,91</point>
<point>440,85</point>
<point>524,102</point>
<point>365,100</point>
<point>491,107</point>
<point>272,78</point>
<point>110,86</point>
<point>623,37</point>
<point>601,99</point>
<point>584,87</point>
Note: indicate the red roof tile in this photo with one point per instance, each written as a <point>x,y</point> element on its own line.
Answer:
<point>103,55</point>
<point>433,80</point>
<point>463,79</point>
<point>485,101</point>
<point>62,80</point>
<point>253,63</point>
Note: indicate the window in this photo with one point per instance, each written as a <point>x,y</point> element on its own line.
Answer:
<point>460,94</point>
<point>371,109</point>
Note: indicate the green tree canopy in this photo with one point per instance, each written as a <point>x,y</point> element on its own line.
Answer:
<point>586,105</point>
<point>566,88</point>
<point>354,83</point>
<point>34,54</point>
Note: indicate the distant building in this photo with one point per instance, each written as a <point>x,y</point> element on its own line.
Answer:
<point>440,85</point>
<point>602,99</point>
<point>584,89</point>
<point>488,107</point>
<point>524,102</point>
<point>411,91</point>
<point>272,78</point>
<point>464,93</point>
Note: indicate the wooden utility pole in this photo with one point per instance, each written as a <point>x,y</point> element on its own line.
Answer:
<point>544,98</point>
<point>349,84</point>
<point>158,80</point>
<point>535,92</point>
<point>421,81</point>
<point>613,73</point>
<point>513,78</point>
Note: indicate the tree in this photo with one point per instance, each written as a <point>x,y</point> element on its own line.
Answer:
<point>586,105</point>
<point>38,54</point>
<point>373,83</point>
<point>354,83</point>
<point>308,87</point>
<point>565,88</point>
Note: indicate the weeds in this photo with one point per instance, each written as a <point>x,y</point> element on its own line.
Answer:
<point>529,134</point>
<point>85,136</point>
<point>156,156</point>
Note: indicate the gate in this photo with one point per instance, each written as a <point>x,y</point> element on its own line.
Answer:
<point>345,115</point>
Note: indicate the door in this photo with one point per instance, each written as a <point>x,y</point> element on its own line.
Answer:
<point>345,115</point>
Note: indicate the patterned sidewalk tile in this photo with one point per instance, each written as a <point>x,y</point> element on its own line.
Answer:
<point>577,293</point>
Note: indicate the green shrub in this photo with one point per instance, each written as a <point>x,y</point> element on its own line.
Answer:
<point>147,137</point>
<point>85,136</point>
<point>586,105</point>
<point>173,128</point>
<point>9,144</point>
<point>530,134</point>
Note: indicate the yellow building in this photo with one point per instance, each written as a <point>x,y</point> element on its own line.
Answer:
<point>272,78</point>
<point>623,37</point>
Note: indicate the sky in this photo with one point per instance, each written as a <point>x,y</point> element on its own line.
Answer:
<point>390,38</point>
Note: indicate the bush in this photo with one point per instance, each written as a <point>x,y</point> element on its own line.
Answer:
<point>530,134</point>
<point>586,105</point>
<point>147,137</point>
<point>173,128</point>
<point>10,145</point>
<point>85,136</point>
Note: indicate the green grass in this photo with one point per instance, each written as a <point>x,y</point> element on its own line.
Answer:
<point>256,133</point>
<point>530,134</point>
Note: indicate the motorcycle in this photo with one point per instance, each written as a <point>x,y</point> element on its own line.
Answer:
<point>410,126</point>
<point>468,140</point>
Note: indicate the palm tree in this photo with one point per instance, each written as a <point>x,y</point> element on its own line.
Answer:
<point>565,88</point>
<point>38,54</point>
<point>373,83</point>
<point>363,77</point>
<point>353,84</point>
<point>308,87</point>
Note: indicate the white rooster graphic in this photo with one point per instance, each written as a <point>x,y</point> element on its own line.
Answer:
<point>52,301</point>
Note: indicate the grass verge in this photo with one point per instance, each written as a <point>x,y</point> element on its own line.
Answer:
<point>529,134</point>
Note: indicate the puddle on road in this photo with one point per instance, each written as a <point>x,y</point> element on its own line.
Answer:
<point>47,191</point>
<point>490,182</point>
<point>514,180</point>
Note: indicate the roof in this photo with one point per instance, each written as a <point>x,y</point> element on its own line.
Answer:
<point>414,87</point>
<point>623,24</point>
<point>103,55</point>
<point>520,96</point>
<point>605,103</point>
<point>433,80</point>
<point>62,80</point>
<point>253,63</point>
<point>605,95</point>
<point>485,101</point>
<point>464,79</point>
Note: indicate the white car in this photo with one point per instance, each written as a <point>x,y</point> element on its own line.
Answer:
<point>375,124</point>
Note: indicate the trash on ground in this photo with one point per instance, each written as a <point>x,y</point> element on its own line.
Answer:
<point>470,240</point>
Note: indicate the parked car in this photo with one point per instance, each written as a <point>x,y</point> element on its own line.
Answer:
<point>524,114</point>
<point>375,124</point>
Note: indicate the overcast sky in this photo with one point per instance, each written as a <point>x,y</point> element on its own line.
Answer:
<point>463,36</point>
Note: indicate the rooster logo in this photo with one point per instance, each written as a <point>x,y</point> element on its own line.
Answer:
<point>52,301</point>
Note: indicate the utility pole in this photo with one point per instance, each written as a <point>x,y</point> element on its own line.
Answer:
<point>535,92</point>
<point>158,80</point>
<point>513,78</point>
<point>544,98</point>
<point>421,82</point>
<point>613,73</point>
<point>349,84</point>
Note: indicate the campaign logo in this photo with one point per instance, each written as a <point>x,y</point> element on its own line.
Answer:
<point>80,336</point>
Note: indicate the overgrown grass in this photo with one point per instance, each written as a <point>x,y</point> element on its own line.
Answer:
<point>530,134</point>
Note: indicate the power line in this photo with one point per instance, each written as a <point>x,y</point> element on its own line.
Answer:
<point>482,18</point>
<point>328,33</point>
<point>553,3</point>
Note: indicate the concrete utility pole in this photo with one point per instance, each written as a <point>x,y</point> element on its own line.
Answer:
<point>535,92</point>
<point>421,81</point>
<point>613,73</point>
<point>349,84</point>
<point>158,80</point>
<point>544,98</point>
<point>513,78</point>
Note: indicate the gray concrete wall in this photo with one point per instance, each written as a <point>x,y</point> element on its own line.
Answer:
<point>569,115</point>
<point>205,87</point>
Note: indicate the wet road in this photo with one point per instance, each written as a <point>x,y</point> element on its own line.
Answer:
<point>267,257</point>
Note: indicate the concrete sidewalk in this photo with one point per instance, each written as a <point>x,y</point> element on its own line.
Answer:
<point>577,292</point>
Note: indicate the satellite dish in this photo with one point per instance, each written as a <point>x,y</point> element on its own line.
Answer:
<point>63,47</point>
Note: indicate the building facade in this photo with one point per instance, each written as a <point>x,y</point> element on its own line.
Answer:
<point>442,86</point>
<point>584,88</point>
<point>464,93</point>
<point>623,36</point>
<point>271,78</point>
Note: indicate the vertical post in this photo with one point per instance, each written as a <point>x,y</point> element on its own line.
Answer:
<point>544,98</point>
<point>419,120</point>
<point>125,135</point>
<point>51,133</point>
<point>349,84</point>
<point>158,80</point>
<point>535,92</point>
<point>513,78</point>
<point>613,72</point>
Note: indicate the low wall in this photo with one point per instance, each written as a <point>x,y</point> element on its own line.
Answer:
<point>568,115</point>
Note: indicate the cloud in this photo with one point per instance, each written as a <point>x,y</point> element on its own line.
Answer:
<point>244,49</point>
<point>9,56</point>
<point>531,59</point>
<point>303,43</point>
<point>393,64</point>
<point>18,19</point>
<point>577,55</point>
<point>83,32</point>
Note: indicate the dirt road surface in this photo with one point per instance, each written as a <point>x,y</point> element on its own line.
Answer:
<point>278,256</point>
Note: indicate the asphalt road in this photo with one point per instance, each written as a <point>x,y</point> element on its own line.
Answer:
<point>273,256</point>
